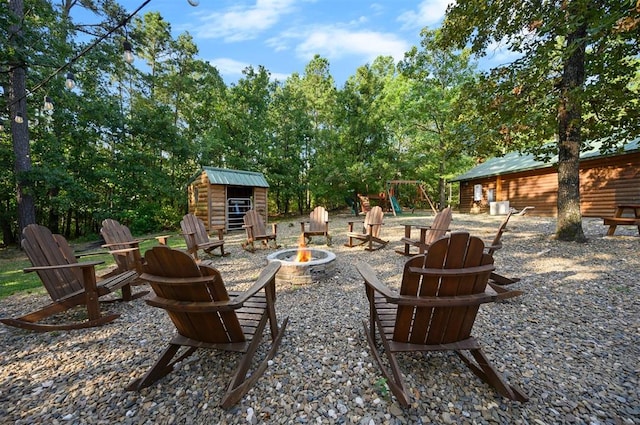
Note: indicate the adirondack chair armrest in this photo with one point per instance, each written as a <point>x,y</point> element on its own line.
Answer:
<point>192,306</point>
<point>267,275</point>
<point>466,271</point>
<point>444,301</point>
<point>83,264</point>
<point>133,243</point>
<point>123,250</point>
<point>372,281</point>
<point>493,247</point>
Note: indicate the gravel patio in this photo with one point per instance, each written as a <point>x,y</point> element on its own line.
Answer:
<point>572,342</point>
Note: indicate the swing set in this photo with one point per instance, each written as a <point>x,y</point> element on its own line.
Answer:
<point>393,189</point>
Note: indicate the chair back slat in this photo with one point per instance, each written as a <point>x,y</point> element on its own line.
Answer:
<point>441,325</point>
<point>212,327</point>
<point>46,249</point>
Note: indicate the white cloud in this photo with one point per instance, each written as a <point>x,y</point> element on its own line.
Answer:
<point>429,13</point>
<point>240,23</point>
<point>229,67</point>
<point>335,43</point>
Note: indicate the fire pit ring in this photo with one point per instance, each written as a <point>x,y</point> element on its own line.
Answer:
<point>302,272</point>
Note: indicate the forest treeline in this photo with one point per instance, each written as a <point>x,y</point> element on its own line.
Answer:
<point>124,142</point>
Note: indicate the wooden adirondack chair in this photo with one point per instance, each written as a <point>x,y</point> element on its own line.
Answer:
<point>68,282</point>
<point>196,236</point>
<point>207,316</point>
<point>123,246</point>
<point>370,233</point>
<point>428,234</point>
<point>435,310</point>
<point>256,231</point>
<point>318,225</point>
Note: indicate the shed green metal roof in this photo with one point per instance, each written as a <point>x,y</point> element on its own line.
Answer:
<point>516,162</point>
<point>227,177</point>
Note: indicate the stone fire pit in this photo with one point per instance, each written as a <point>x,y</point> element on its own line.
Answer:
<point>302,272</point>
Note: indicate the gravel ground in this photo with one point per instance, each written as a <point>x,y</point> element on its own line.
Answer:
<point>572,342</point>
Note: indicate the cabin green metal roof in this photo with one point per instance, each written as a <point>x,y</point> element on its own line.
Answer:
<point>227,177</point>
<point>516,162</point>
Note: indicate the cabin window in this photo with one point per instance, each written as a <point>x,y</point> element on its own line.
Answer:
<point>490,195</point>
<point>477,192</point>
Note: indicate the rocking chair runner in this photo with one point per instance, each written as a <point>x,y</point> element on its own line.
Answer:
<point>68,282</point>
<point>439,298</point>
<point>318,225</point>
<point>196,236</point>
<point>370,233</point>
<point>256,231</point>
<point>428,234</point>
<point>207,316</point>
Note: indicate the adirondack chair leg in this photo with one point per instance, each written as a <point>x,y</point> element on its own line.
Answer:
<point>240,383</point>
<point>162,367</point>
<point>329,240</point>
<point>503,280</point>
<point>485,371</point>
<point>394,379</point>
<point>504,293</point>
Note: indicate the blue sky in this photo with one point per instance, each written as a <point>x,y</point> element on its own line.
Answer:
<point>284,35</point>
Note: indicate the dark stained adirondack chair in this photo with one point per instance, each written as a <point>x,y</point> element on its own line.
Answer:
<point>428,234</point>
<point>370,232</point>
<point>196,236</point>
<point>435,310</point>
<point>123,246</point>
<point>69,283</point>
<point>207,316</point>
<point>256,231</point>
<point>318,225</point>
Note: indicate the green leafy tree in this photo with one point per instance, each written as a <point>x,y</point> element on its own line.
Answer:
<point>572,79</point>
<point>438,76</point>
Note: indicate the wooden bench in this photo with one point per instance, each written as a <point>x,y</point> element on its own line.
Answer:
<point>619,220</point>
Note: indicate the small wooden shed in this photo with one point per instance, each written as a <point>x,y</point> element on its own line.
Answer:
<point>221,197</point>
<point>517,181</point>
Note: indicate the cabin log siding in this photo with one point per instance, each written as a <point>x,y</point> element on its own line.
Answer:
<point>604,183</point>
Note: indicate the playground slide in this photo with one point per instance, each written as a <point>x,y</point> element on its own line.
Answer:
<point>396,206</point>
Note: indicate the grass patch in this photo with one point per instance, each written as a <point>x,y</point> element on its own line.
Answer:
<point>13,261</point>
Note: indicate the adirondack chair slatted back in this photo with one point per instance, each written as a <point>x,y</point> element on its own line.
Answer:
<point>439,227</point>
<point>374,216</point>
<point>44,249</point>
<point>253,219</point>
<point>191,224</point>
<point>209,326</point>
<point>118,236</point>
<point>442,325</point>
<point>318,219</point>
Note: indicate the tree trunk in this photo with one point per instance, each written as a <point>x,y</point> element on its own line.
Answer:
<point>569,224</point>
<point>17,100</point>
